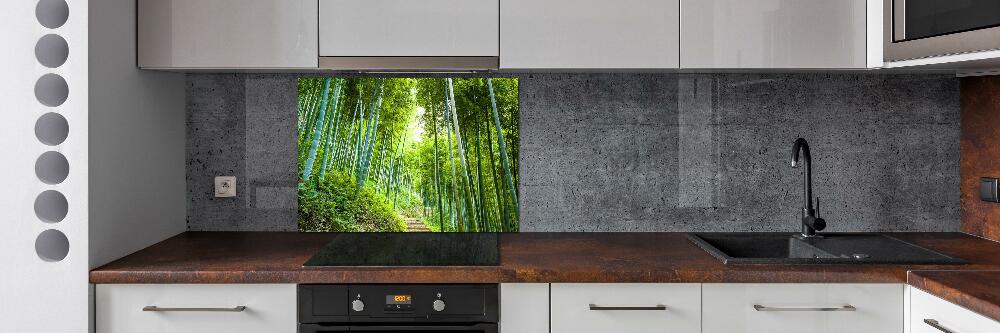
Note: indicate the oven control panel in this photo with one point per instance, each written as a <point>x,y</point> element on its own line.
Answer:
<point>398,303</point>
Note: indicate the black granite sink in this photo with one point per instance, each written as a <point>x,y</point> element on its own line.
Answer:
<point>833,248</point>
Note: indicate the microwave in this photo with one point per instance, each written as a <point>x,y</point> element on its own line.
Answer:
<point>915,29</point>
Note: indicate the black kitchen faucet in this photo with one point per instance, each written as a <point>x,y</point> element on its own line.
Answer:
<point>810,221</point>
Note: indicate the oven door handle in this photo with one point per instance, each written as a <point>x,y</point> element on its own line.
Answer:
<point>485,328</point>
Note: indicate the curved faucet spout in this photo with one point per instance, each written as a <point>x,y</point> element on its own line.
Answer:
<point>810,222</point>
<point>800,145</point>
<point>807,189</point>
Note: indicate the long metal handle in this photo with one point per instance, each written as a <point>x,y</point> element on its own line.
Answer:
<point>240,308</point>
<point>759,307</point>
<point>657,307</point>
<point>935,324</point>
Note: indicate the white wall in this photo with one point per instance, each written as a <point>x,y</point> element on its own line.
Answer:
<point>137,191</point>
<point>38,295</point>
<point>135,144</point>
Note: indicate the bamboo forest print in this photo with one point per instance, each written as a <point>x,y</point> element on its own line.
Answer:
<point>408,154</point>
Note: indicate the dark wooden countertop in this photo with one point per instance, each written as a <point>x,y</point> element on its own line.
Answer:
<point>974,290</point>
<point>268,257</point>
<point>275,257</point>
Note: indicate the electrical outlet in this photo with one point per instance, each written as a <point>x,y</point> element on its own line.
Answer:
<point>225,187</point>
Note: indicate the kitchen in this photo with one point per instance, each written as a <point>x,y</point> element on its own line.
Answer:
<point>180,166</point>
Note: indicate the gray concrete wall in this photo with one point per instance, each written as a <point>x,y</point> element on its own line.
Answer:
<point>244,126</point>
<point>641,152</point>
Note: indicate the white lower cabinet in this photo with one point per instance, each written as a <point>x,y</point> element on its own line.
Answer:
<point>930,314</point>
<point>569,308</point>
<point>524,308</point>
<point>802,308</point>
<point>190,308</point>
<point>625,308</point>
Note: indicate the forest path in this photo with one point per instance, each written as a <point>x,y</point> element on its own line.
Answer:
<point>414,225</point>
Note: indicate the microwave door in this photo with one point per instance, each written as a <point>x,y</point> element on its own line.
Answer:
<point>916,19</point>
<point>915,29</point>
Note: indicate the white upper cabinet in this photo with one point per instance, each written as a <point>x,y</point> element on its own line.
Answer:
<point>509,34</point>
<point>227,33</point>
<point>777,33</point>
<point>589,34</point>
<point>409,28</point>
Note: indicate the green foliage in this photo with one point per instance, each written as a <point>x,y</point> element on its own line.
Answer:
<point>337,205</point>
<point>431,221</point>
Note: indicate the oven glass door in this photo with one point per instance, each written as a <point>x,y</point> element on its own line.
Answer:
<point>929,18</point>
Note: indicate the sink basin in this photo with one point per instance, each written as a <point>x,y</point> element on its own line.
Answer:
<point>836,248</point>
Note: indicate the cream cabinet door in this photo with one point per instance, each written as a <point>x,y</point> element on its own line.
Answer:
<point>589,34</point>
<point>409,28</point>
<point>930,314</point>
<point>802,308</point>
<point>625,308</point>
<point>201,308</point>
<point>774,34</point>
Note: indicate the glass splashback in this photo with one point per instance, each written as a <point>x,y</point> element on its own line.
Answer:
<point>407,154</point>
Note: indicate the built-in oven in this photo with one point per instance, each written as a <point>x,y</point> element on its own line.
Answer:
<point>928,28</point>
<point>389,308</point>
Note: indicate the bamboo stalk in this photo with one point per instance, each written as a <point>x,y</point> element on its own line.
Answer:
<point>330,140</point>
<point>357,152</point>
<point>479,184</point>
<point>461,156</point>
<point>437,178</point>
<point>501,204</point>
<point>451,155</point>
<point>370,144</point>
<point>307,169</point>
<point>503,150</point>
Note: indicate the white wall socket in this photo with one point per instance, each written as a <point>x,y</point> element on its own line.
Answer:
<point>225,187</point>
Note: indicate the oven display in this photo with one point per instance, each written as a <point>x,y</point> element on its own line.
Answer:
<point>398,302</point>
<point>398,299</point>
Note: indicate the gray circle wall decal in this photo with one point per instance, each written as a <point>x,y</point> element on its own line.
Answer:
<point>52,167</point>
<point>51,51</point>
<point>52,245</point>
<point>51,90</point>
<point>51,129</point>
<point>52,13</point>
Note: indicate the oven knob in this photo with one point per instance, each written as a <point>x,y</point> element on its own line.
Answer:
<point>438,305</point>
<point>358,305</point>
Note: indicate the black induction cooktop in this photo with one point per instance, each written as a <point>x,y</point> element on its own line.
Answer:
<point>409,249</point>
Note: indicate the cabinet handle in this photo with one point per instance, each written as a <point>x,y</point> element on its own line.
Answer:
<point>759,307</point>
<point>657,307</point>
<point>154,308</point>
<point>935,324</point>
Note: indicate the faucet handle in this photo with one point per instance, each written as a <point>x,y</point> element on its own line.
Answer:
<point>817,206</point>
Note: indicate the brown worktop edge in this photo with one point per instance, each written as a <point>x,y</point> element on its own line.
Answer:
<point>953,295</point>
